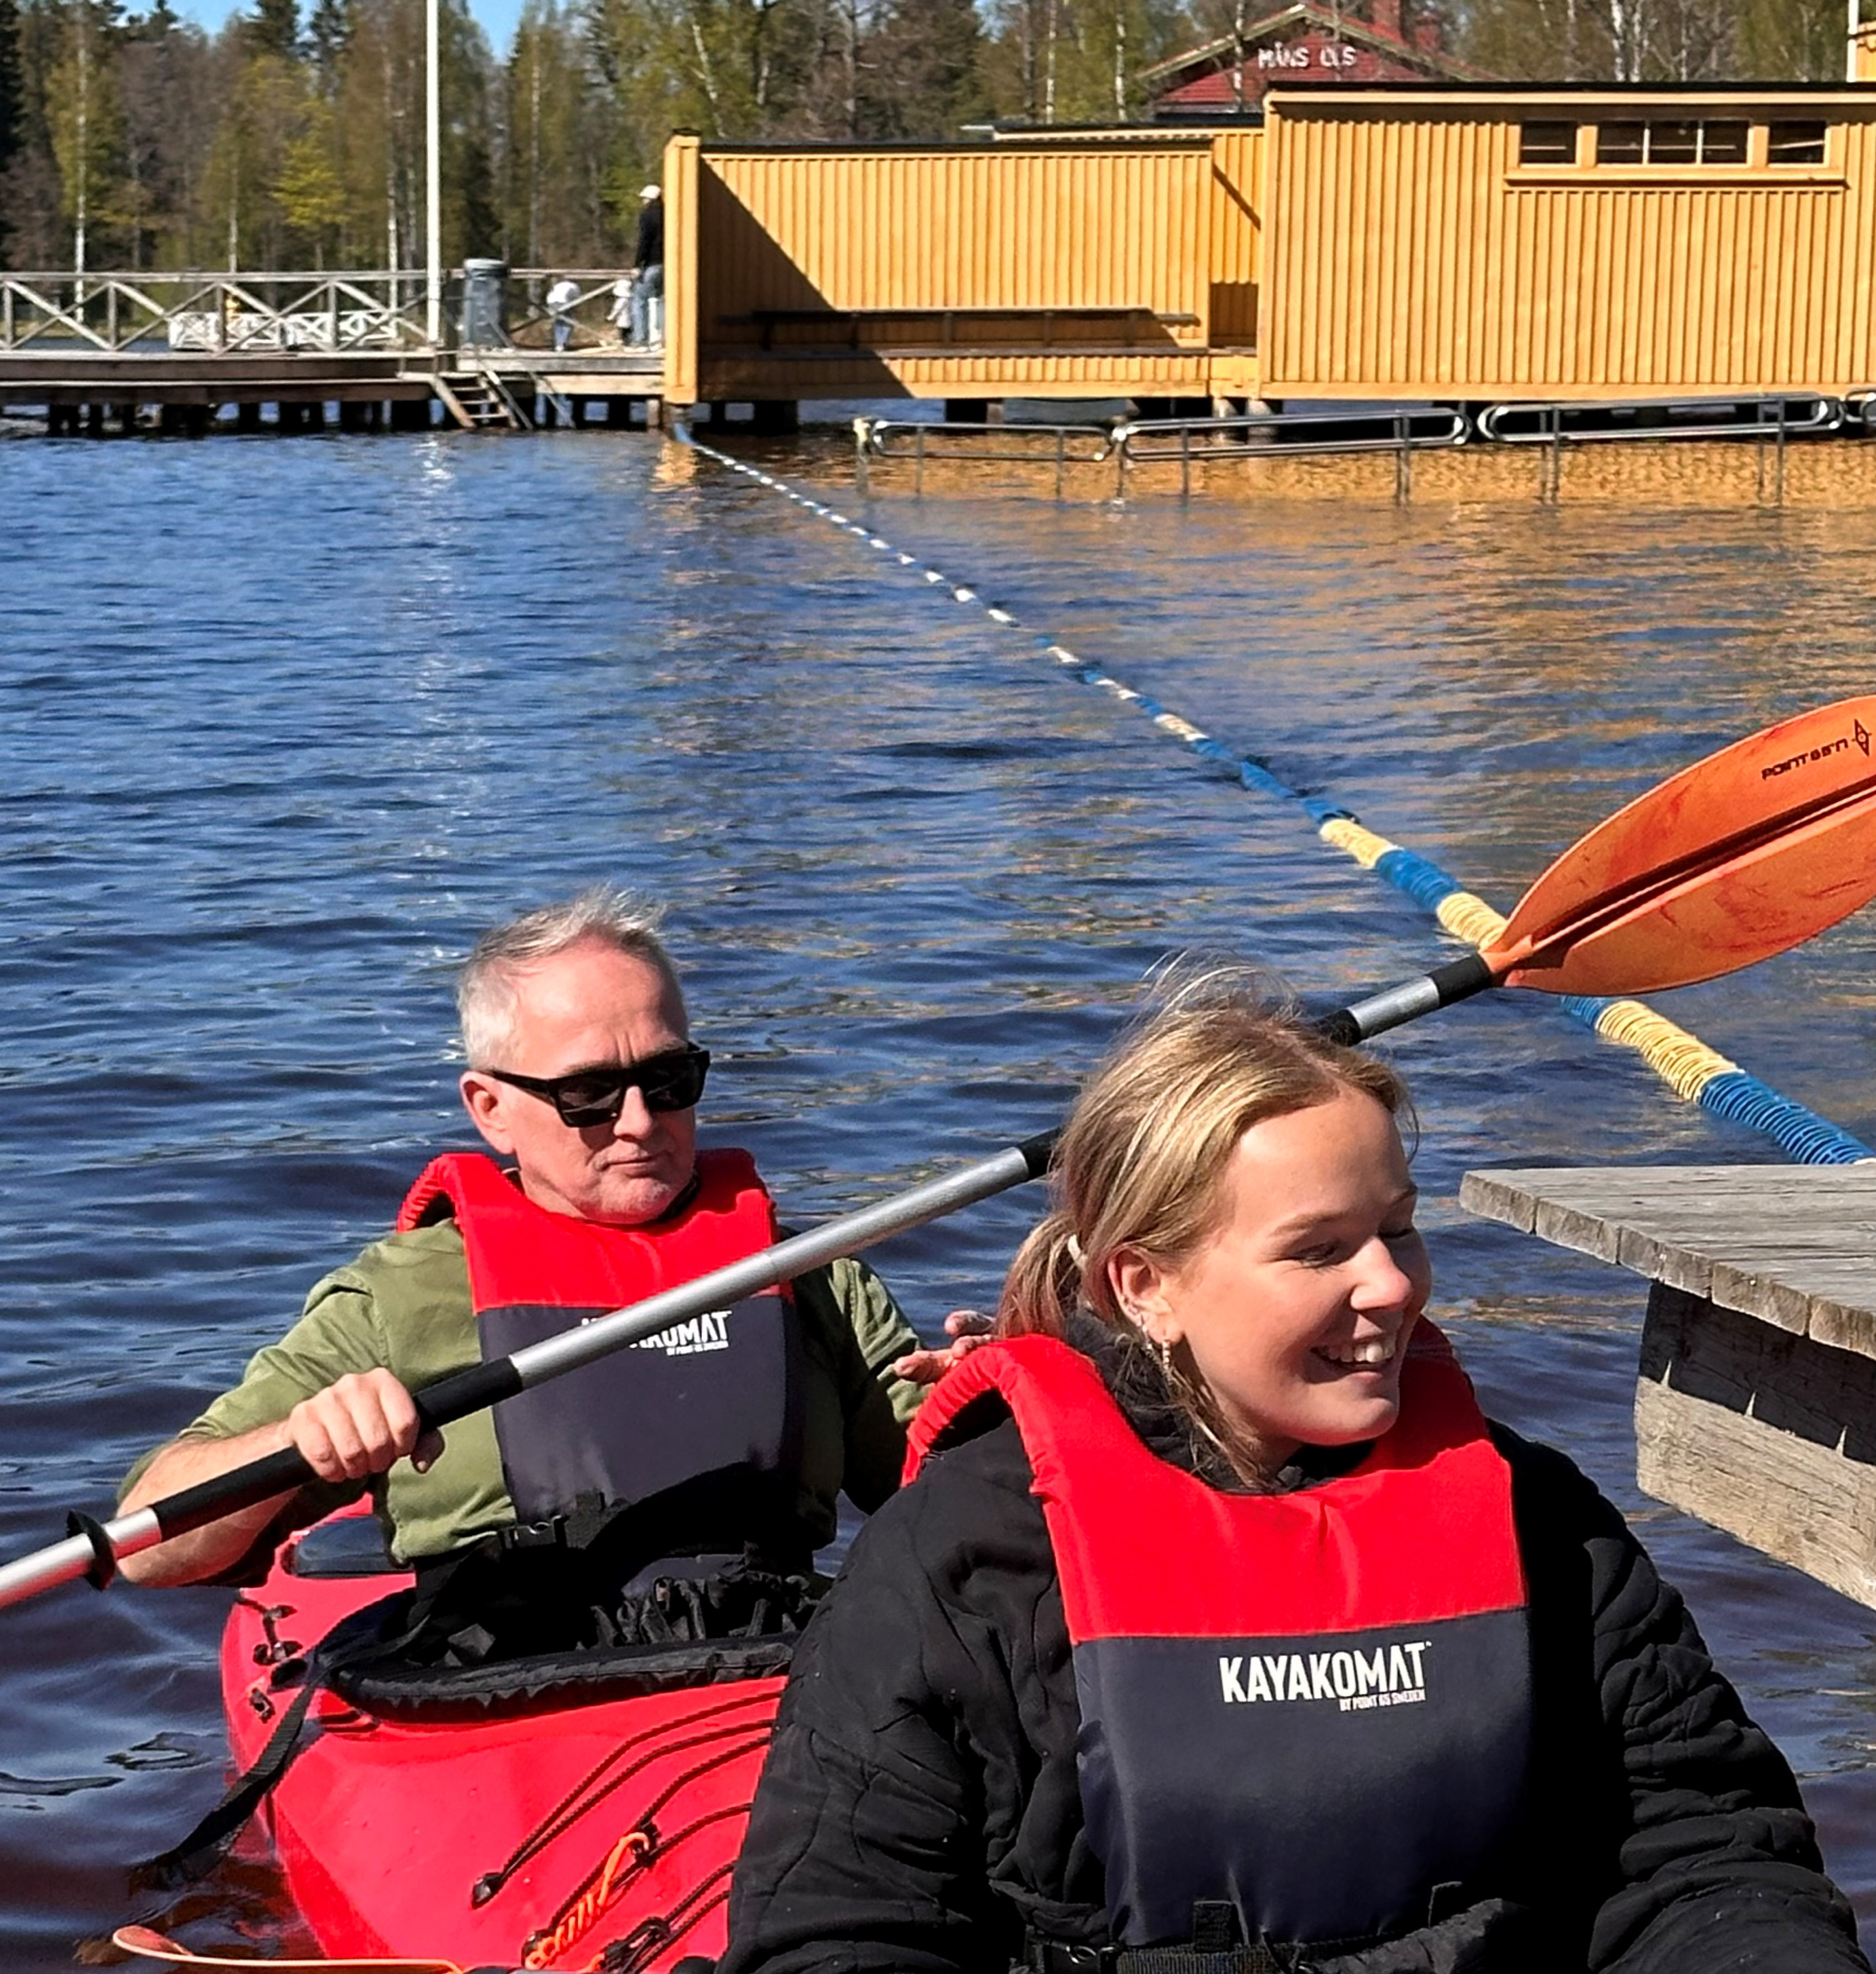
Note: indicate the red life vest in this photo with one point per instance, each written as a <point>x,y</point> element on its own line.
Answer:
<point>709,1411</point>
<point>1313,1707</point>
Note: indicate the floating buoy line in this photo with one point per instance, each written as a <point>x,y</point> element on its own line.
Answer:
<point>1692,1069</point>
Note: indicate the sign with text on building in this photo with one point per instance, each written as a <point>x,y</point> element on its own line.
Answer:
<point>1298,55</point>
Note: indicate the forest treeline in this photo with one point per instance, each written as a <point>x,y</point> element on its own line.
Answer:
<point>295,139</point>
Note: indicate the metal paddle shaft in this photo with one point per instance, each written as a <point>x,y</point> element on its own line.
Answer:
<point>93,1549</point>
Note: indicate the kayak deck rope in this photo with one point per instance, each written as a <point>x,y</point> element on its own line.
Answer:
<point>755,1712</point>
<point>642,1945</point>
<point>1689,1067</point>
<point>579,1917</point>
<point>635,1852</point>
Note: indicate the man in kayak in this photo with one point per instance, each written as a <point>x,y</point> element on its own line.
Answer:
<point>728,1437</point>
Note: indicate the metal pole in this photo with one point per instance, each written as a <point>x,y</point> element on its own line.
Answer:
<point>432,148</point>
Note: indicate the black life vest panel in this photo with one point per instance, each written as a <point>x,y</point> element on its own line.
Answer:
<point>709,1411</point>
<point>1315,1707</point>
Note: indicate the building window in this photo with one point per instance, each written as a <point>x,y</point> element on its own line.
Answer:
<point>1671,143</point>
<point>1547,144</point>
<point>1795,144</point>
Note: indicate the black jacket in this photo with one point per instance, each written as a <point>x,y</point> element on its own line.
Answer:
<point>650,251</point>
<point>919,1809</point>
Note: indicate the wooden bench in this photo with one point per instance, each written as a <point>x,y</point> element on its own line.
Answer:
<point>941,323</point>
<point>1755,1402</point>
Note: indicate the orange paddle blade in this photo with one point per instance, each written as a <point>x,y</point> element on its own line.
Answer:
<point>1747,853</point>
<point>154,1946</point>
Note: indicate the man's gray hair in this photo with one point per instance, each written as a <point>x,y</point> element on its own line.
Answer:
<point>484,988</point>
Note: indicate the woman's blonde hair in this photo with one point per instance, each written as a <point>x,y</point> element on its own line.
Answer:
<point>1141,1163</point>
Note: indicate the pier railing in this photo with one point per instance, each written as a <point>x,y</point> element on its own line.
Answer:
<point>1401,430</point>
<point>1060,446</point>
<point>117,312</point>
<point>1591,424</point>
<point>323,310</point>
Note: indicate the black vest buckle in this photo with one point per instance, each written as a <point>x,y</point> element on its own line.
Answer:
<point>533,1535</point>
<point>575,1530</point>
<point>1062,1956</point>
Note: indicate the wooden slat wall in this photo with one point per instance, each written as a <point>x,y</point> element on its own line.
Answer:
<point>1403,260</point>
<point>1093,225</point>
<point>1237,235</point>
<point>681,187</point>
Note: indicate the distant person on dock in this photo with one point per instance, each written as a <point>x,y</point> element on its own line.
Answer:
<point>728,1437</point>
<point>562,297</point>
<point>619,314</point>
<point>648,270</point>
<point>1221,1633</point>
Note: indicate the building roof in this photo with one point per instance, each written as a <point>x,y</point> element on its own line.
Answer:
<point>1217,56</point>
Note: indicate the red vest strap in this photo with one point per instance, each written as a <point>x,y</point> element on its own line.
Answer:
<point>1421,1530</point>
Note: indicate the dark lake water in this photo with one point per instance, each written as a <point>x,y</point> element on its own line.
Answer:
<point>282,724</point>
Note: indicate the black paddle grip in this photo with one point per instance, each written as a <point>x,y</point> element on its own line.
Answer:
<point>1460,980</point>
<point>465,1392</point>
<point>452,1398</point>
<point>1038,1150</point>
<point>208,1500</point>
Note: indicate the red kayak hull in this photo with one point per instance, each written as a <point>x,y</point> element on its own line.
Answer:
<point>384,1826</point>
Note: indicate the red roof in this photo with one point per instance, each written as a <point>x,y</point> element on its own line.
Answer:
<point>1305,42</point>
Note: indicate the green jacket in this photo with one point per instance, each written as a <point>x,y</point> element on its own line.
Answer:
<point>405,1304</point>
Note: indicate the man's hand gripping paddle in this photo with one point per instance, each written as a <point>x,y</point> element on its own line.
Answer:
<point>1744,854</point>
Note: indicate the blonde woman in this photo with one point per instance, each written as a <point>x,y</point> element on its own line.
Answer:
<point>1221,1634</point>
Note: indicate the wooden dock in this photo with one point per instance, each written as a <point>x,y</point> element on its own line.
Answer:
<point>93,347</point>
<point>1756,1400</point>
<point>397,390</point>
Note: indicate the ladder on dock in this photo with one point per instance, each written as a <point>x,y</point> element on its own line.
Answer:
<point>479,401</point>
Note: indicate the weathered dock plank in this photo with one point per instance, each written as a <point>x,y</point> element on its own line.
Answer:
<point>1793,1245</point>
<point>1756,1398</point>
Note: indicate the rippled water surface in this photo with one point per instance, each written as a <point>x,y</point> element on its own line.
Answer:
<point>283,724</point>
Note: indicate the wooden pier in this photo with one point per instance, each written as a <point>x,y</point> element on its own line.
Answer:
<point>1755,1399</point>
<point>99,351</point>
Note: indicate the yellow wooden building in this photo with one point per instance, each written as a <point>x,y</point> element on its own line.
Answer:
<point>1498,243</point>
<point>1078,265</point>
<point>1474,243</point>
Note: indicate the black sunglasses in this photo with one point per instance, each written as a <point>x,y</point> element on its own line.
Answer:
<point>671,1081</point>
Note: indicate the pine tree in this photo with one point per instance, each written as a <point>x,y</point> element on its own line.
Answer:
<point>273,28</point>
<point>920,75</point>
<point>11,106</point>
<point>329,29</point>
